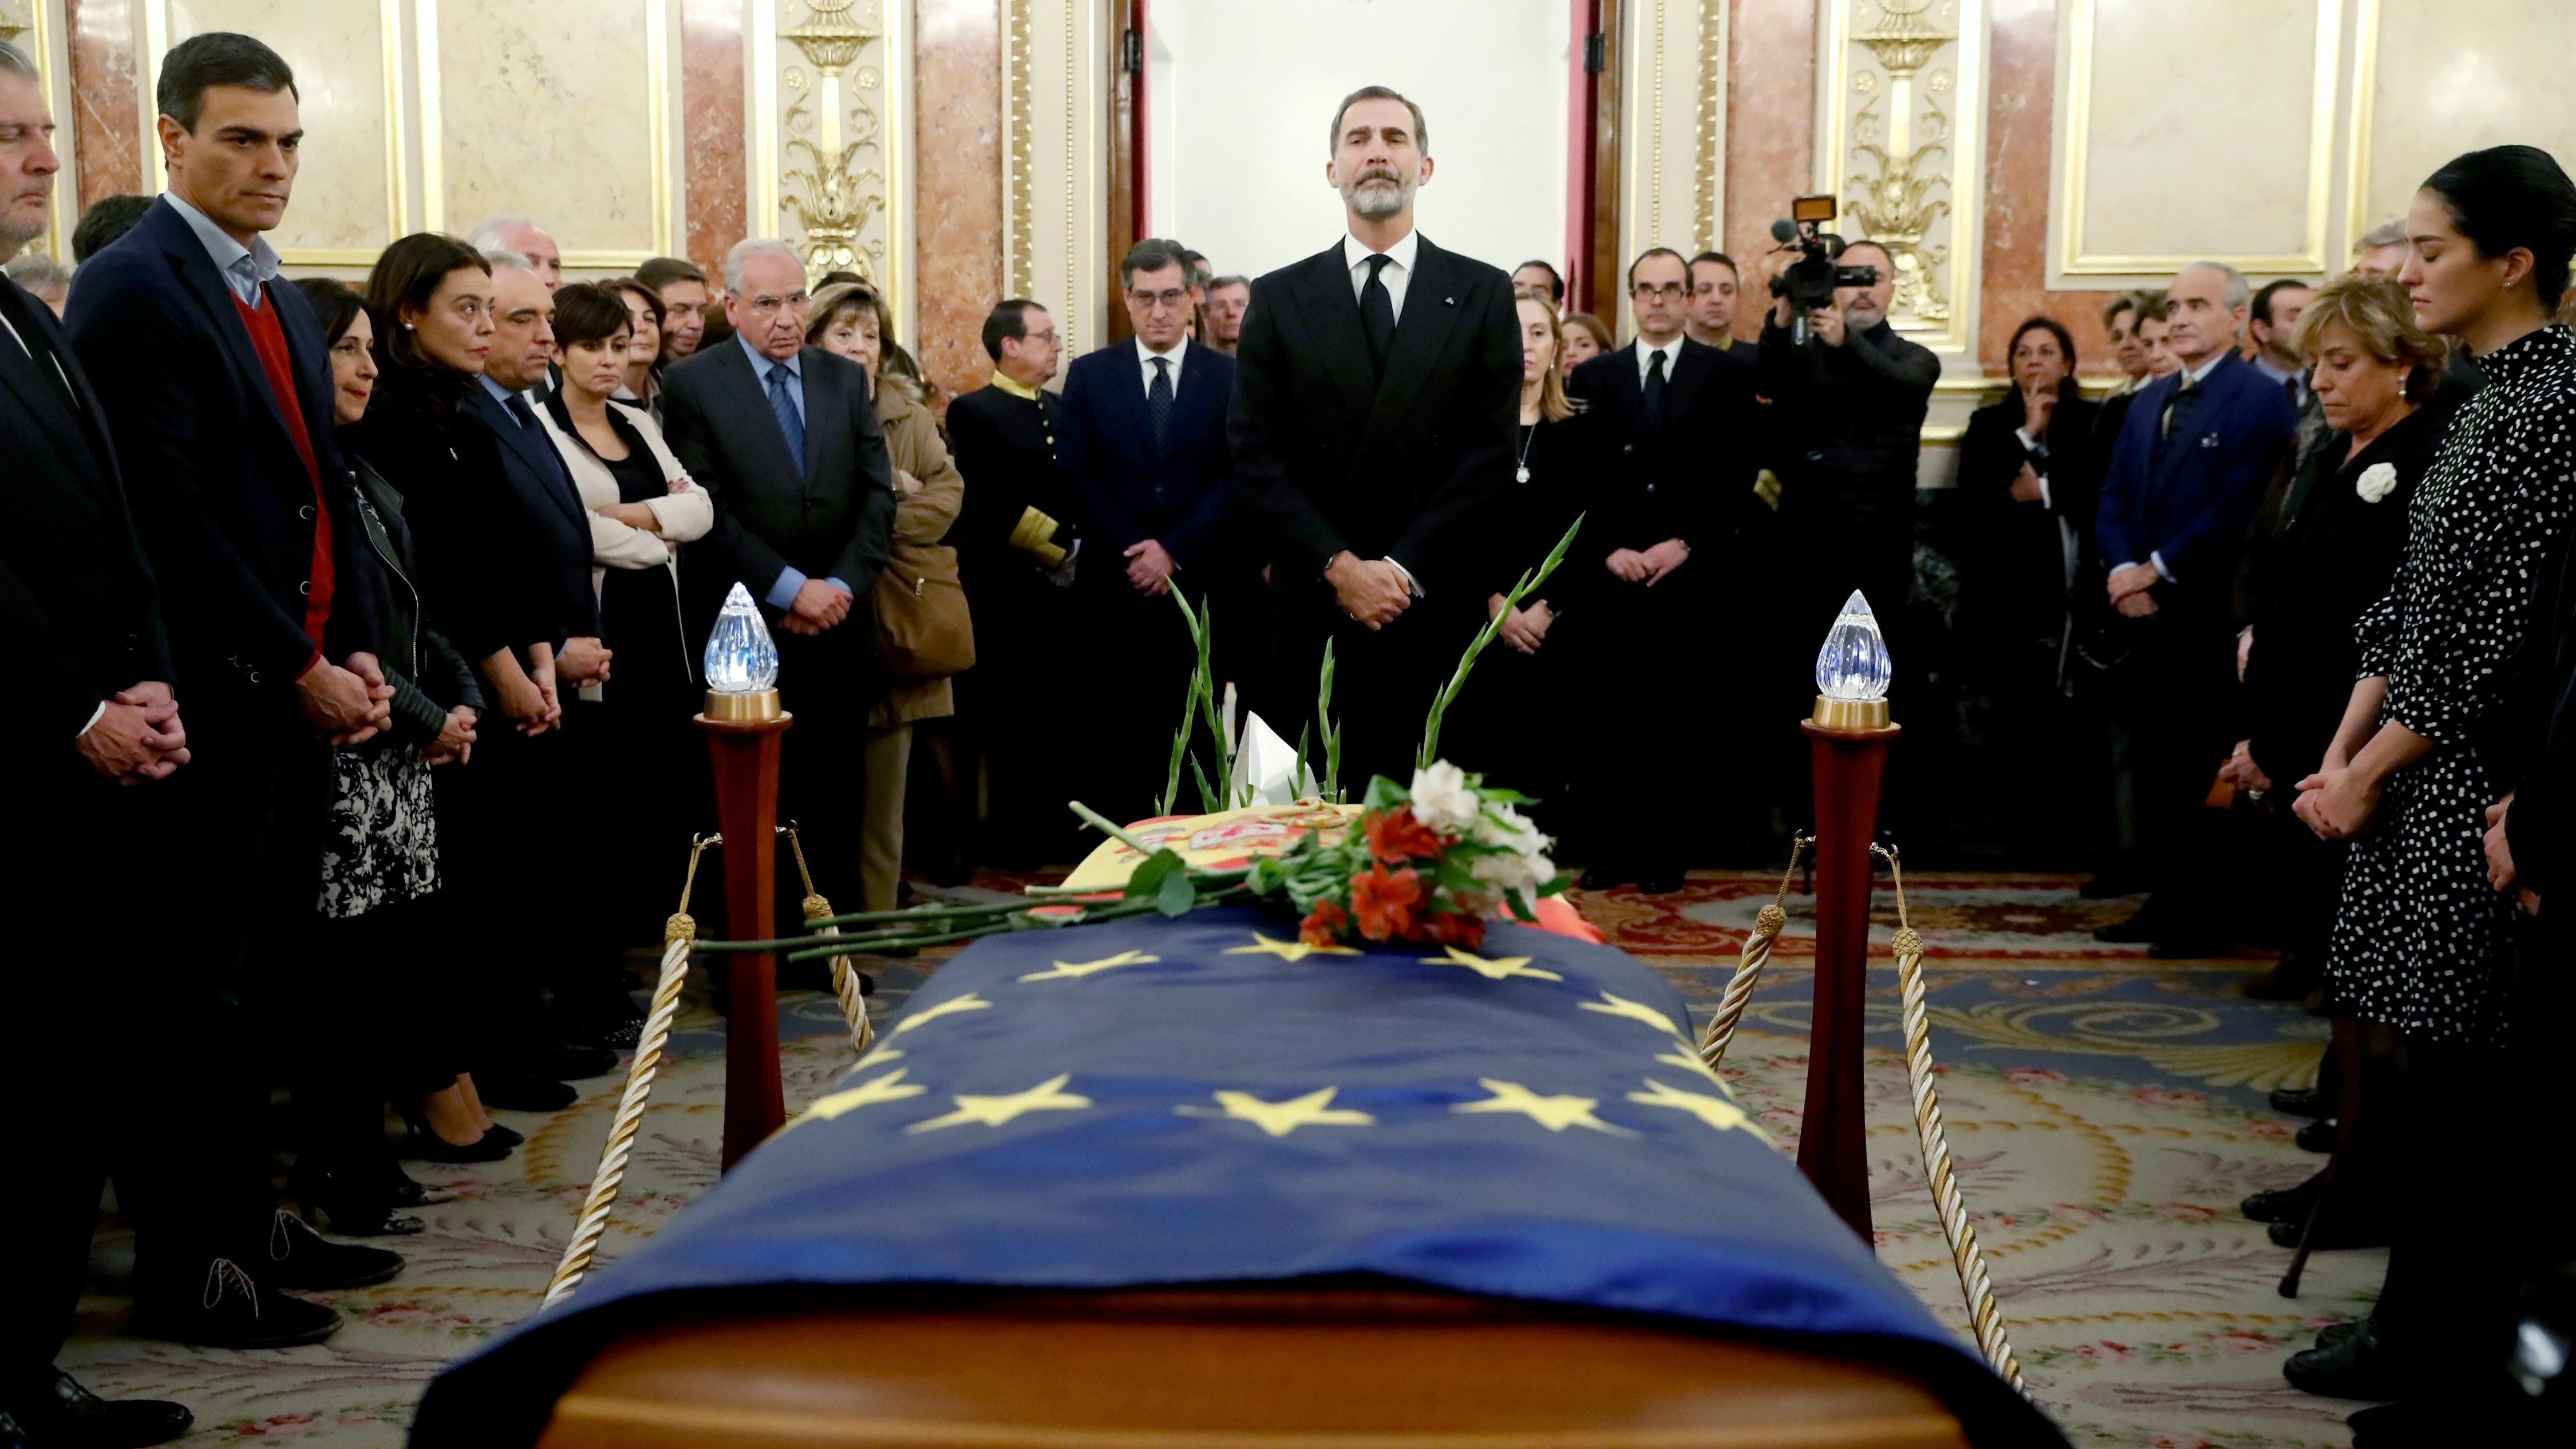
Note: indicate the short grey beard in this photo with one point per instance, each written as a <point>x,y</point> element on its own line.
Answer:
<point>1378,206</point>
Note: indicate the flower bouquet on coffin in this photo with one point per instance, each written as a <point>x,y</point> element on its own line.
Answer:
<point>1431,863</point>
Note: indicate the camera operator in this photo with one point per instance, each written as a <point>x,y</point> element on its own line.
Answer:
<point>1849,402</point>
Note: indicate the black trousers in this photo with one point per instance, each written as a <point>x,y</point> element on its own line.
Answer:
<point>1384,680</point>
<point>507,841</point>
<point>384,979</point>
<point>1649,702</point>
<point>2171,729</point>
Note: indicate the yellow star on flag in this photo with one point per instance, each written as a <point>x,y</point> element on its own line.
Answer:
<point>1287,950</point>
<point>1723,1115</point>
<point>1553,1113</point>
<point>1634,1011</point>
<point>1492,970</point>
<point>1076,970</point>
<point>953,1005</point>
<point>1046,1096</point>
<point>1315,1109</point>
<point>888,1088</point>
<point>1688,1060</point>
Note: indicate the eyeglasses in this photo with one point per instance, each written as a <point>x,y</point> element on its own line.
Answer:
<point>768,306</point>
<point>1174,299</point>
<point>1668,291</point>
<point>1046,336</point>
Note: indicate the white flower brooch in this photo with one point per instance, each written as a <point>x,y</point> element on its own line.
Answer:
<point>2376,482</point>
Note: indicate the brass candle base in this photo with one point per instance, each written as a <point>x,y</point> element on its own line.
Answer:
<point>749,708</point>
<point>1850,714</point>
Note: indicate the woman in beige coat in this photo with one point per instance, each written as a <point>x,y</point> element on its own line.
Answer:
<point>852,320</point>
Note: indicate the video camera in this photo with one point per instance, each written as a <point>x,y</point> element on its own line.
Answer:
<point>1809,283</point>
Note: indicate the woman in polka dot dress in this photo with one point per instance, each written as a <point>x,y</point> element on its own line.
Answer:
<point>2422,946</point>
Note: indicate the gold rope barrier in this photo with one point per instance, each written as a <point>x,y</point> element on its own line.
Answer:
<point>845,981</point>
<point>1974,1286</point>
<point>679,933</point>
<point>1748,970</point>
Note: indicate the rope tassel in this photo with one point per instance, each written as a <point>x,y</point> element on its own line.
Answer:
<point>1984,1318</point>
<point>1748,970</point>
<point>845,979</point>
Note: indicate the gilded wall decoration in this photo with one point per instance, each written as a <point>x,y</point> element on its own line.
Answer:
<point>36,28</point>
<point>1899,145</point>
<point>832,132</point>
<point>1055,154</point>
<point>1672,151</point>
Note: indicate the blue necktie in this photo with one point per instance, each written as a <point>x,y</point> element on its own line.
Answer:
<point>791,423</point>
<point>1158,404</point>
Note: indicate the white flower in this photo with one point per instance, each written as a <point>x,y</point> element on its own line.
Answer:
<point>1441,799</point>
<point>2376,482</point>
<point>1526,868</point>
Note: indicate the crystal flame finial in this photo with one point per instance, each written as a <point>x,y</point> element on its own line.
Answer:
<point>741,659</point>
<point>1853,664</point>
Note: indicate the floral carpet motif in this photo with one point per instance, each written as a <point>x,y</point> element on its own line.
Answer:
<point>2105,1113</point>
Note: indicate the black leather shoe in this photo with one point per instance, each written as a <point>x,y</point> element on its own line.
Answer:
<point>353,1209</point>
<point>299,1257</point>
<point>1601,878</point>
<point>572,1061</point>
<point>522,1091</point>
<point>2285,1205</point>
<point>503,1135</point>
<point>2337,1232</point>
<point>2334,1333</point>
<point>2319,1136</point>
<point>67,1416</point>
<point>230,1311</point>
<point>2352,1367</point>
<point>2309,1102</point>
<point>425,1143</point>
<point>1659,885</point>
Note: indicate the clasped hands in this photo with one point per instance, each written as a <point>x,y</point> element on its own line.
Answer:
<point>2500,870</point>
<point>1371,591</point>
<point>137,737</point>
<point>346,703</point>
<point>1648,566</point>
<point>819,605</point>
<point>1524,628</point>
<point>2338,801</point>
<point>1150,568</point>
<point>2129,587</point>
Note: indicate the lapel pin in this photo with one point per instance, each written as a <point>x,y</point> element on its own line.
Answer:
<point>1449,301</point>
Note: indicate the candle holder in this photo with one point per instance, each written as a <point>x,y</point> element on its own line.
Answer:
<point>745,727</point>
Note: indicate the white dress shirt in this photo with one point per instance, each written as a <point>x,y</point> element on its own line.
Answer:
<point>1146,356</point>
<point>1398,273</point>
<point>1672,352</point>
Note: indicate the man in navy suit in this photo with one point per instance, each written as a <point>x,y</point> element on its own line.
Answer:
<point>220,419</point>
<point>1150,467</point>
<point>2191,464</point>
<point>1375,402</point>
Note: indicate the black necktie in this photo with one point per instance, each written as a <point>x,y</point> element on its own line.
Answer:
<point>1655,389</point>
<point>14,306</point>
<point>518,408</point>
<point>1377,310</point>
<point>1158,404</point>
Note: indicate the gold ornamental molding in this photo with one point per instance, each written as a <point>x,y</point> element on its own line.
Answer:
<point>1672,153</point>
<point>36,27</point>
<point>2077,58</point>
<point>1055,149</point>
<point>1899,143</point>
<point>832,137</point>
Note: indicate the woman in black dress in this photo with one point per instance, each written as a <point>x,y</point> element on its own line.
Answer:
<point>2025,513</point>
<point>2431,739</point>
<point>633,730</point>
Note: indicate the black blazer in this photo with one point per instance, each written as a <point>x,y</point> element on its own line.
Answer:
<point>219,491</point>
<point>1687,475</point>
<point>540,507</point>
<point>1334,457</point>
<point>78,602</point>
<point>1131,492</point>
<point>834,519</point>
<point>2329,556</point>
<point>1850,425</point>
<point>2012,558</point>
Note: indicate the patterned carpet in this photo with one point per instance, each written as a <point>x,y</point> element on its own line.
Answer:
<point>2106,1114</point>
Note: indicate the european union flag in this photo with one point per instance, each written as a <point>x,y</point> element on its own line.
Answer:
<point>1205,1100</point>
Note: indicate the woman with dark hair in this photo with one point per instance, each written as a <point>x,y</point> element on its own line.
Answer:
<point>2433,735</point>
<point>852,320</point>
<point>381,900</point>
<point>643,384</point>
<point>633,730</point>
<point>2024,510</point>
<point>478,560</point>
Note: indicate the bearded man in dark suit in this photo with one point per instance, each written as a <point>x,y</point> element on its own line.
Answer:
<point>1374,406</point>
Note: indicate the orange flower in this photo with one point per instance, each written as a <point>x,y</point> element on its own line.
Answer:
<point>1396,836</point>
<point>1453,928</point>
<point>1385,903</point>
<point>1323,926</point>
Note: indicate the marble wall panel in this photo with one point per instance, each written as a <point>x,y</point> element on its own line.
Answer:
<point>711,139</point>
<point>2190,128</point>
<point>525,121</point>
<point>347,57</point>
<point>1770,127</point>
<point>958,200</point>
<point>2438,78</point>
<point>107,120</point>
<point>2021,59</point>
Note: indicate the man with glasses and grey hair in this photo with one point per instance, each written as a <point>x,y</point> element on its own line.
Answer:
<point>784,438</point>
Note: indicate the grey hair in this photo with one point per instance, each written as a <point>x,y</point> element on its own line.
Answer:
<point>758,246</point>
<point>37,272</point>
<point>2239,292</point>
<point>503,257</point>
<point>486,235</point>
<point>15,62</point>
<point>2386,234</point>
